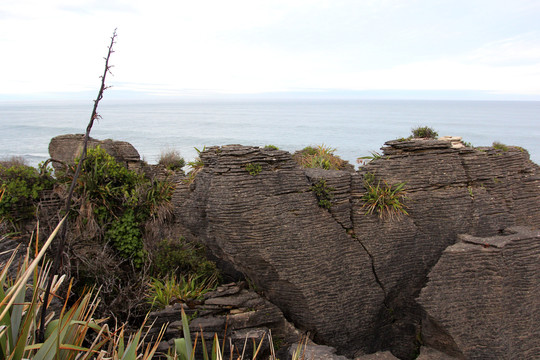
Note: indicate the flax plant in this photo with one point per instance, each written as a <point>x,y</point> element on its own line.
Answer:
<point>66,335</point>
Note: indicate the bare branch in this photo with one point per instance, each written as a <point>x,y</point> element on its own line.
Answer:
<point>60,249</point>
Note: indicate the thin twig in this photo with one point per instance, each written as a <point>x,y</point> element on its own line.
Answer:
<point>62,240</point>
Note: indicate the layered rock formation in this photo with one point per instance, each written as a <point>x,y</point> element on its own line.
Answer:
<point>481,301</point>
<point>353,279</point>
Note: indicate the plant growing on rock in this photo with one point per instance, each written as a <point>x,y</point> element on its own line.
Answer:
<point>324,193</point>
<point>382,198</point>
<point>424,132</point>
<point>319,157</point>
<point>365,159</point>
<point>188,290</point>
<point>500,146</point>
<point>196,165</point>
<point>253,168</point>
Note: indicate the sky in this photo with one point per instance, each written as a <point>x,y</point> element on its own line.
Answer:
<point>189,49</point>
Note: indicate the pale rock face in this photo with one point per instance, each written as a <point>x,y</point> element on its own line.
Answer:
<point>454,140</point>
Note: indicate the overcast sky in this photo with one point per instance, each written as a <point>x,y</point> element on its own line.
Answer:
<point>199,47</point>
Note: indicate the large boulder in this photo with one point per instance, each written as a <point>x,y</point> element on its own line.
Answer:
<point>482,298</point>
<point>67,148</point>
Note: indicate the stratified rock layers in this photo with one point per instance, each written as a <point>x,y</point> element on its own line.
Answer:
<point>352,279</point>
<point>481,301</point>
<point>270,227</point>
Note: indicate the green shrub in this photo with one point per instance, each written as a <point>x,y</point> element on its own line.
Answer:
<point>121,200</point>
<point>424,132</point>
<point>20,187</point>
<point>500,146</point>
<point>319,157</point>
<point>385,199</point>
<point>271,147</point>
<point>324,193</point>
<point>125,234</point>
<point>253,168</point>
<point>181,258</point>
<point>172,160</point>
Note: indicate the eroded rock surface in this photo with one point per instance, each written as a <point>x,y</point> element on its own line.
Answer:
<point>67,148</point>
<point>232,312</point>
<point>352,279</point>
<point>271,228</point>
<point>481,301</point>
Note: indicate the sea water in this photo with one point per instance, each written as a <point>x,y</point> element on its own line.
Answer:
<point>353,127</point>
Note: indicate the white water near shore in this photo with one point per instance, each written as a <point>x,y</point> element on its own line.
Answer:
<point>353,127</point>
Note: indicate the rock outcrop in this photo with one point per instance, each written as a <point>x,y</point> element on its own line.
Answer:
<point>232,312</point>
<point>481,301</point>
<point>67,148</point>
<point>352,279</point>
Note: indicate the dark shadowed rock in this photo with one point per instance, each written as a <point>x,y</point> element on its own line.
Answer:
<point>482,298</point>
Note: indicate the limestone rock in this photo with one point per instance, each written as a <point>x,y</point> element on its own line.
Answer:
<point>364,271</point>
<point>67,148</point>
<point>314,352</point>
<point>271,228</point>
<point>232,312</point>
<point>482,301</point>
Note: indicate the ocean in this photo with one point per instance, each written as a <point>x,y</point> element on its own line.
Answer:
<point>353,127</point>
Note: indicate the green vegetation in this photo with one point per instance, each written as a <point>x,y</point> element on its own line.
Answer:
<point>253,168</point>
<point>500,146</point>
<point>172,160</point>
<point>171,290</point>
<point>324,193</point>
<point>74,334</point>
<point>319,157</point>
<point>385,199</point>
<point>181,258</point>
<point>196,166</point>
<point>184,348</point>
<point>20,189</point>
<point>271,147</point>
<point>120,201</point>
<point>424,132</point>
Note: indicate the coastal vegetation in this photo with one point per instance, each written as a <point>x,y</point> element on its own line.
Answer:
<point>20,189</point>
<point>424,132</point>
<point>500,146</point>
<point>171,160</point>
<point>324,193</point>
<point>382,198</point>
<point>320,156</point>
<point>253,168</point>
